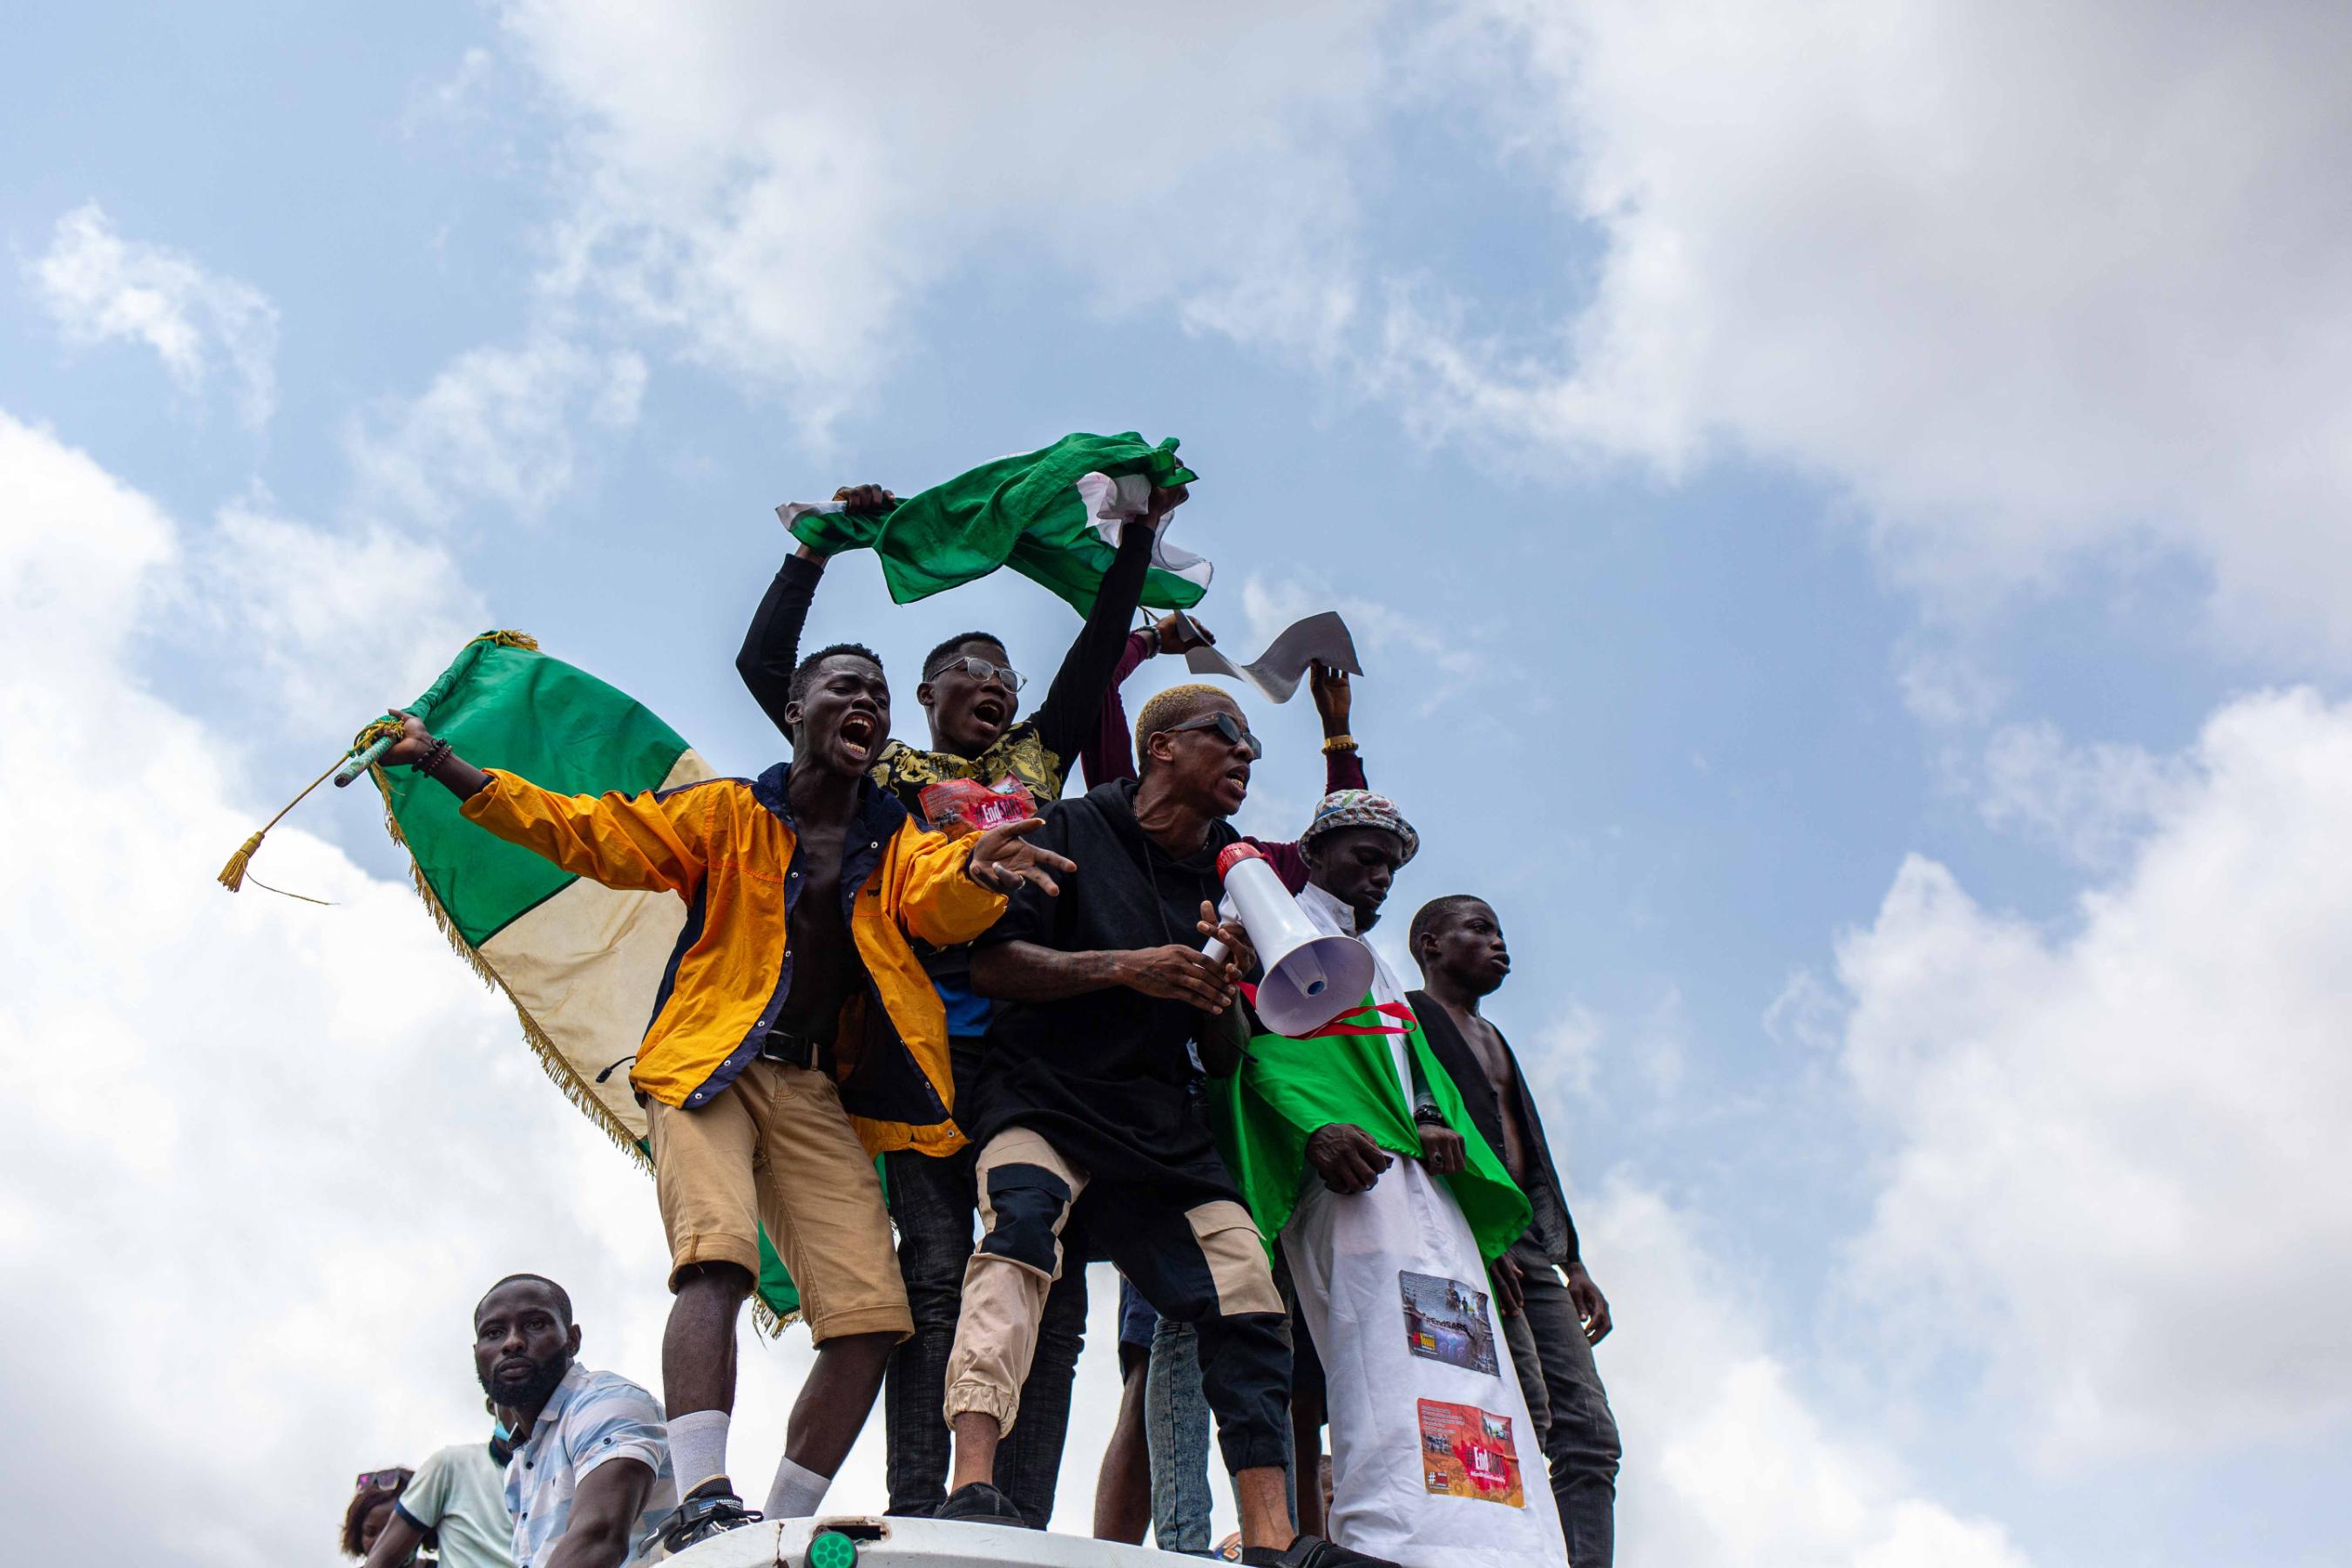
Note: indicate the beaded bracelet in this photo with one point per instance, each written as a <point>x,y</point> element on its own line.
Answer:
<point>1339,744</point>
<point>434,755</point>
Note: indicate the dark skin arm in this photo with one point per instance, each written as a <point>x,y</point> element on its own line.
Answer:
<point>1072,712</point>
<point>1001,862</point>
<point>397,1545</point>
<point>456,775</point>
<point>1345,1156</point>
<point>603,1512</point>
<point>771,642</point>
<point>1334,698</point>
<point>1443,1152</point>
<point>1510,1293</point>
<point>1590,1305</point>
<point>1027,971</point>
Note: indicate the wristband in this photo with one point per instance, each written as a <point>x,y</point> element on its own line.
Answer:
<point>1428,1116</point>
<point>1338,743</point>
<point>434,755</point>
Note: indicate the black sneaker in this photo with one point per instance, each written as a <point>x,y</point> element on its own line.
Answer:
<point>980,1503</point>
<point>1311,1551</point>
<point>709,1510</point>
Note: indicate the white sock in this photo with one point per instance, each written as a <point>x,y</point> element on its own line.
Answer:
<point>797,1491</point>
<point>698,1447</point>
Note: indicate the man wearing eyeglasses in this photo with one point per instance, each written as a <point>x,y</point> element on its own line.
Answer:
<point>970,696</point>
<point>1083,1113</point>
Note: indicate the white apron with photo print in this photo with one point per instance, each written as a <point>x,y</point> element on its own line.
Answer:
<point>1433,1462</point>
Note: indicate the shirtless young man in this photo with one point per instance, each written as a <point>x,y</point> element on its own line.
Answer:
<point>1553,1314</point>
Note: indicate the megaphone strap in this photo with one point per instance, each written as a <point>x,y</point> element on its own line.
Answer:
<point>1343,1024</point>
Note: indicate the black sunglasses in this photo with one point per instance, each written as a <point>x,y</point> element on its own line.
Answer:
<point>1226,725</point>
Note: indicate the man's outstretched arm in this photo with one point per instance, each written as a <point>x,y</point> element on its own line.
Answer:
<point>1343,766</point>
<point>650,842</point>
<point>771,644</point>
<point>1111,754</point>
<point>1071,715</point>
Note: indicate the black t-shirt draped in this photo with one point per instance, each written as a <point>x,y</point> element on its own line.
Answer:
<point>1104,1077</point>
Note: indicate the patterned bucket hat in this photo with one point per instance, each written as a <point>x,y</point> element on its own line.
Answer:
<point>1360,808</point>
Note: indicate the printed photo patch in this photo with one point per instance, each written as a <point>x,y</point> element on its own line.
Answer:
<point>1467,1452</point>
<point>1446,1321</point>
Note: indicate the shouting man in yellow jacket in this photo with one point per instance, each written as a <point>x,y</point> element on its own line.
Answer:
<point>793,993</point>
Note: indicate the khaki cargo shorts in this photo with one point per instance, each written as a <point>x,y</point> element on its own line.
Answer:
<point>777,1149</point>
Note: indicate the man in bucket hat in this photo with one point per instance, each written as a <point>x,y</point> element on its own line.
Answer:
<point>1354,1147</point>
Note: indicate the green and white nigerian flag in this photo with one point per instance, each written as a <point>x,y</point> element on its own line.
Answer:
<point>1054,516</point>
<point>581,962</point>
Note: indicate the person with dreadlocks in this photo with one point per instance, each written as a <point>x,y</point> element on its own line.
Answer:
<point>970,696</point>
<point>794,1002</point>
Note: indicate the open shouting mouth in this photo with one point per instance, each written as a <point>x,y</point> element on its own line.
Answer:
<point>859,733</point>
<point>991,710</point>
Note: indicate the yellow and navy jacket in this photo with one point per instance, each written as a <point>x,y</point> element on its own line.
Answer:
<point>729,848</point>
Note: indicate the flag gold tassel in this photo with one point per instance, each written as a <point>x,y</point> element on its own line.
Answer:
<point>232,874</point>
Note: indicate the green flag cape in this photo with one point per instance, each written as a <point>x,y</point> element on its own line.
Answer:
<point>1031,512</point>
<point>581,962</point>
<point>1288,1088</point>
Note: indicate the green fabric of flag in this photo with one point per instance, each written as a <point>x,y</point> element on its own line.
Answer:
<point>581,963</point>
<point>1286,1090</point>
<point>1029,512</point>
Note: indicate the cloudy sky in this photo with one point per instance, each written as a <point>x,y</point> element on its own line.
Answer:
<point>1843,507</point>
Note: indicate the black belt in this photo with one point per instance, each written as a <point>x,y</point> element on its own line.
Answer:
<point>794,1050</point>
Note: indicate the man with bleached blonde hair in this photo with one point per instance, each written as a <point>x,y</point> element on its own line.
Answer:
<point>1081,1108</point>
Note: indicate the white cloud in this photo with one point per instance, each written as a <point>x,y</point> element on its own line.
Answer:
<point>2120,1146</point>
<point>2090,803</point>
<point>1443,663</point>
<point>102,288</point>
<point>454,102</point>
<point>2026,284</point>
<point>265,1156</point>
<point>2030,290</point>
<point>779,187</point>
<point>339,625</point>
<point>1733,1464</point>
<point>497,425</point>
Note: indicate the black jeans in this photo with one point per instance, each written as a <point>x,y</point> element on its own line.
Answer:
<point>936,1203</point>
<point>1574,1426</point>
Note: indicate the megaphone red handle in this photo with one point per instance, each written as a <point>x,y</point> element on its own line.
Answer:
<point>1232,854</point>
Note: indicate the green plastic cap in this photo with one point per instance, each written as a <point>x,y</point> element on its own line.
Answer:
<point>832,1550</point>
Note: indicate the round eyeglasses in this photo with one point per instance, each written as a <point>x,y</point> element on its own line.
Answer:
<point>1005,675</point>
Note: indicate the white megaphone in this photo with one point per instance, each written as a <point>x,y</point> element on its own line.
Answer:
<point>1311,976</point>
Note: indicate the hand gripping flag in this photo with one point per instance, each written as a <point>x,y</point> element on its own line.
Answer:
<point>1287,1087</point>
<point>581,962</point>
<point>1054,516</point>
